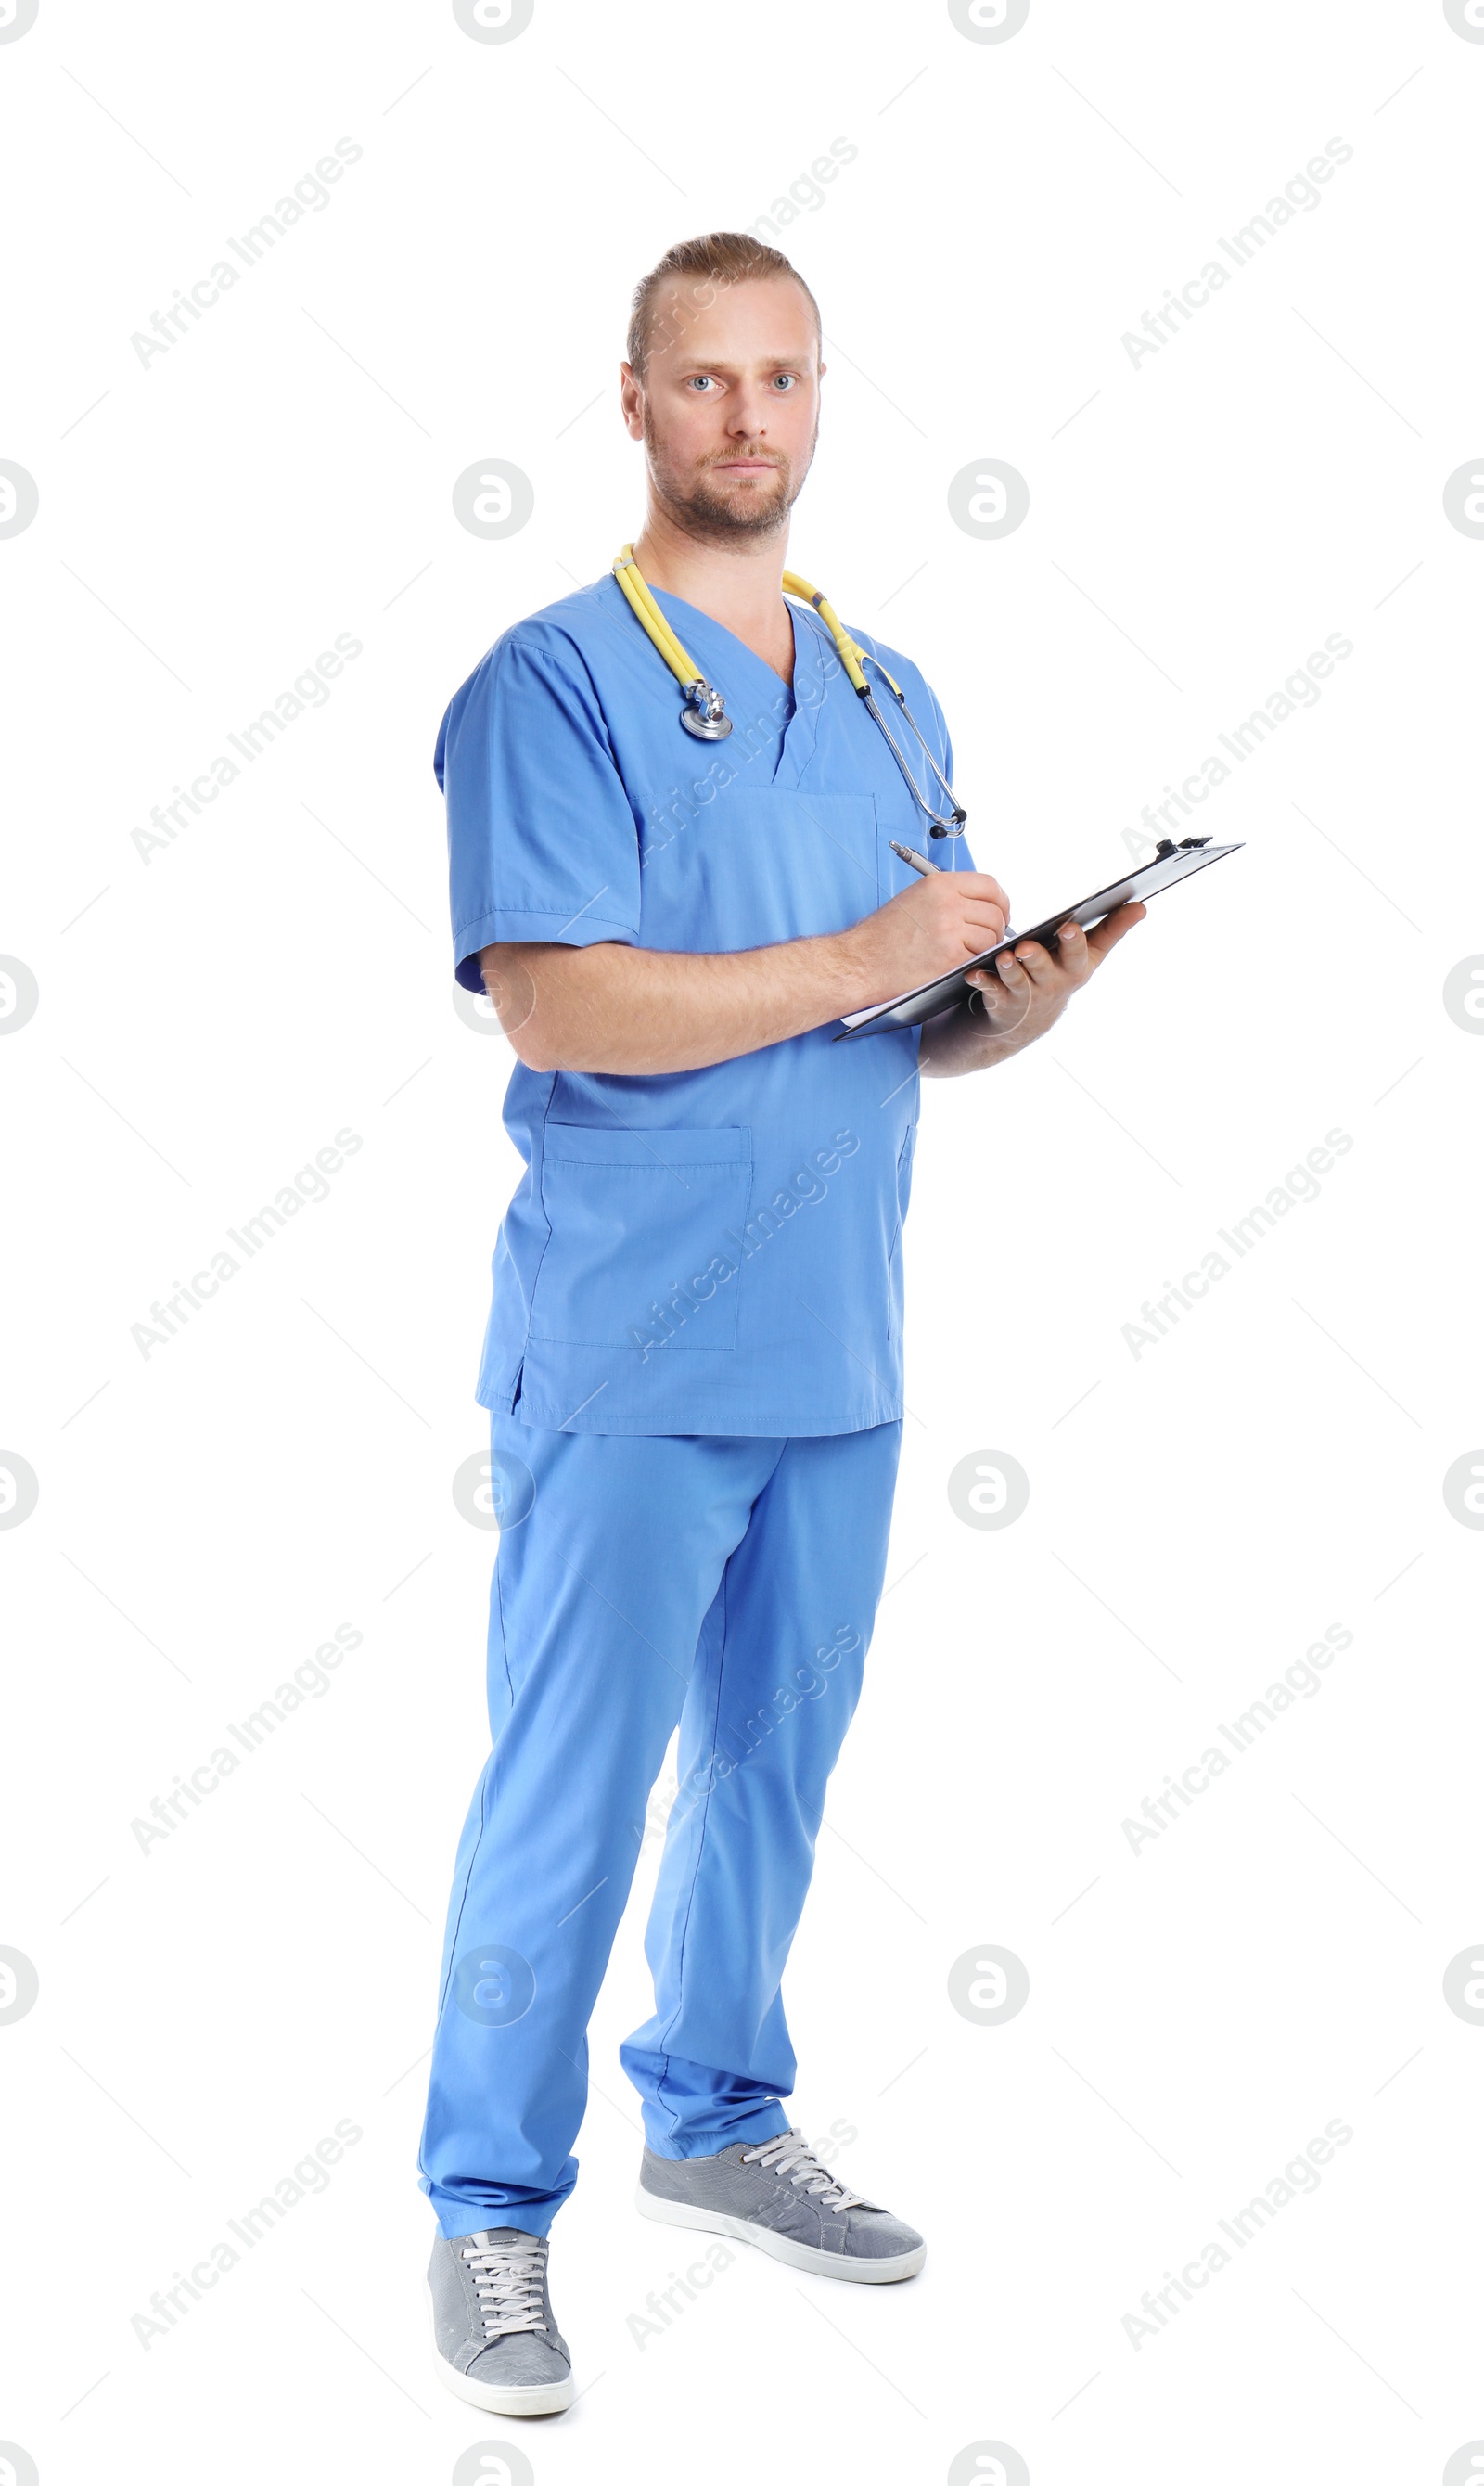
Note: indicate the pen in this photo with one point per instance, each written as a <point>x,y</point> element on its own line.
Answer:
<point>909,854</point>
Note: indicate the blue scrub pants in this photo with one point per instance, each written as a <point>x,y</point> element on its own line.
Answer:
<point>726,1583</point>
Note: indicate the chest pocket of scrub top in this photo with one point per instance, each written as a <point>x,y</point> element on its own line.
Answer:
<point>757,862</point>
<point>636,1215</point>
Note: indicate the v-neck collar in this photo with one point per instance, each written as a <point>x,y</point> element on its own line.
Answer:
<point>748,684</point>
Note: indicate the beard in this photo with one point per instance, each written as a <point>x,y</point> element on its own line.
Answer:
<point>717,510</point>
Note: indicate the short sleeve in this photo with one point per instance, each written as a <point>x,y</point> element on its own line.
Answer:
<point>543,842</point>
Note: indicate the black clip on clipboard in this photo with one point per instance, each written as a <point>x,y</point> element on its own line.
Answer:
<point>1171,863</point>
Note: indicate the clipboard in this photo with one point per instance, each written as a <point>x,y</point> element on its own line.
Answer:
<point>1171,863</point>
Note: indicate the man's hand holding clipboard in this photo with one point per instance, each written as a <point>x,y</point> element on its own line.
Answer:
<point>1016,985</point>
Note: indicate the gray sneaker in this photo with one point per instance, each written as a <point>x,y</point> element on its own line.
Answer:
<point>778,2195</point>
<point>494,2331</point>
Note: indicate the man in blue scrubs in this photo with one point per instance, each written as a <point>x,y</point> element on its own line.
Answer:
<point>694,1359</point>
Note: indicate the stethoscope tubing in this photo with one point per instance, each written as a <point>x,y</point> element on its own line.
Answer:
<point>705,710</point>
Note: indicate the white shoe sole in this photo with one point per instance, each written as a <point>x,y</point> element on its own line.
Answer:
<point>743,2231</point>
<point>528,2399</point>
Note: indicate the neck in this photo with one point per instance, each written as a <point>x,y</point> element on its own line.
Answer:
<point>738,581</point>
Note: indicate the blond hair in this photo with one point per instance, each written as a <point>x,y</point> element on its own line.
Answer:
<point>714,262</point>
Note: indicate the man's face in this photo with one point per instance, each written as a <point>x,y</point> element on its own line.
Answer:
<point>728,410</point>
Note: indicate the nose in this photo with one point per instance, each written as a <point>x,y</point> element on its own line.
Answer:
<point>749,414</point>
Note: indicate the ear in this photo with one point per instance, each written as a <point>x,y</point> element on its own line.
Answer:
<point>631,402</point>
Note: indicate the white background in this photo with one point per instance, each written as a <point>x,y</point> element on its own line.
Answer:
<point>1199,1513</point>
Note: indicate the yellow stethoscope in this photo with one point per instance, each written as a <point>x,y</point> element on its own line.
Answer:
<point>704,714</point>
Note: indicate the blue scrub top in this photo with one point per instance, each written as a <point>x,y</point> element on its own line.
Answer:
<point>713,1251</point>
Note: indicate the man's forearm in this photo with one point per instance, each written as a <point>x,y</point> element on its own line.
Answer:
<point>609,1008</point>
<point>641,1012</point>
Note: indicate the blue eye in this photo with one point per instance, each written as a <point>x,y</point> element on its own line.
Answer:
<point>787,380</point>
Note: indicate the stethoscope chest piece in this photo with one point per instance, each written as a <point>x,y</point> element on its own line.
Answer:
<point>703,714</point>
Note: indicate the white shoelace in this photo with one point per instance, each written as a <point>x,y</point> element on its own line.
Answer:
<point>508,2280</point>
<point>791,2150</point>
